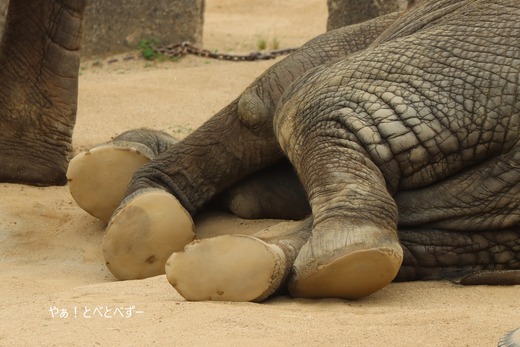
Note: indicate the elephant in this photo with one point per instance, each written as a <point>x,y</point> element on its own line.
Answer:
<point>394,142</point>
<point>397,137</point>
<point>39,56</point>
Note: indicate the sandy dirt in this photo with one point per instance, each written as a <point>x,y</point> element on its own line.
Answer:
<point>56,291</point>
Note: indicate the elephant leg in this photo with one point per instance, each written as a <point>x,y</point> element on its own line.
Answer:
<point>185,177</point>
<point>238,267</point>
<point>39,60</point>
<point>219,268</point>
<point>99,177</point>
<point>354,249</point>
<point>274,192</point>
<point>236,142</point>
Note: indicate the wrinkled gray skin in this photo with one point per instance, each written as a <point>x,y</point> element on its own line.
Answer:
<point>415,129</point>
<point>39,64</point>
<point>409,124</point>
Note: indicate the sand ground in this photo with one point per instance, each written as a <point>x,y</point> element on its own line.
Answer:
<point>56,291</point>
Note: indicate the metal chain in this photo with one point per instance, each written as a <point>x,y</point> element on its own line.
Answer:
<point>185,48</point>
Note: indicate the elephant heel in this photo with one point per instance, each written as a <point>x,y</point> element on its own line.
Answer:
<point>148,227</point>
<point>98,178</point>
<point>351,272</point>
<point>227,268</point>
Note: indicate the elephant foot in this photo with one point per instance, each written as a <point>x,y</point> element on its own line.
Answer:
<point>145,230</point>
<point>367,262</point>
<point>98,178</point>
<point>227,268</point>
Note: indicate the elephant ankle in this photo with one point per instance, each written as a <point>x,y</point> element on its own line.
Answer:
<point>348,261</point>
<point>149,142</point>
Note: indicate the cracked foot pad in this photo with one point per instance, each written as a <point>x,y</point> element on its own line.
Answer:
<point>98,178</point>
<point>226,268</point>
<point>144,232</point>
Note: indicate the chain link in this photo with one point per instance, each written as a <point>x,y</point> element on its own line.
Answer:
<point>185,48</point>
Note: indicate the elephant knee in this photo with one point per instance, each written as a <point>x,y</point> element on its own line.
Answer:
<point>255,112</point>
<point>284,124</point>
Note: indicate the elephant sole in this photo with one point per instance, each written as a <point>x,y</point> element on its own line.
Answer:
<point>148,227</point>
<point>98,178</point>
<point>226,268</point>
<point>351,276</point>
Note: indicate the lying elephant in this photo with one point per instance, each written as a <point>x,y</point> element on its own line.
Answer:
<point>403,132</point>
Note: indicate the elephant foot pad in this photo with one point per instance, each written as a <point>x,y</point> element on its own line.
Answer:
<point>351,276</point>
<point>226,268</point>
<point>98,178</point>
<point>148,227</point>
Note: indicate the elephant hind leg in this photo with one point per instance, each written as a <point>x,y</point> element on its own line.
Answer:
<point>39,59</point>
<point>354,249</point>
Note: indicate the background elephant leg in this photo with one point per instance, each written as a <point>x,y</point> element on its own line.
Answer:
<point>354,249</point>
<point>39,60</point>
<point>432,254</point>
<point>274,192</point>
<point>98,178</point>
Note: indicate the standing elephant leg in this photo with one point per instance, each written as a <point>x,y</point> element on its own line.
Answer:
<point>39,64</point>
